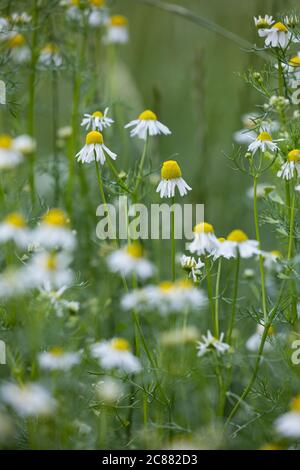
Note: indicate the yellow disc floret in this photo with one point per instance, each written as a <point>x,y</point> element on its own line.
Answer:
<point>221,239</point>
<point>5,141</point>
<point>120,344</point>
<point>97,114</point>
<point>280,27</point>
<point>276,253</point>
<point>165,286</point>
<point>295,405</point>
<point>15,219</point>
<point>148,115</point>
<point>56,351</point>
<point>237,236</point>
<point>118,20</point>
<point>170,170</point>
<point>55,217</point>
<point>16,40</point>
<point>50,48</point>
<point>204,227</point>
<point>94,137</point>
<point>51,262</point>
<point>295,61</point>
<point>294,155</point>
<point>97,3</point>
<point>135,250</point>
<point>264,136</point>
<point>184,284</point>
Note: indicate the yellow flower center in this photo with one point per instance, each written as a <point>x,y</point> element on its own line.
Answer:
<point>170,170</point>
<point>295,61</point>
<point>221,239</point>
<point>264,136</point>
<point>55,217</point>
<point>16,40</point>
<point>276,253</point>
<point>75,3</point>
<point>165,286</point>
<point>294,155</point>
<point>5,142</point>
<point>97,114</point>
<point>271,331</point>
<point>94,137</point>
<point>184,284</point>
<point>270,446</point>
<point>118,20</point>
<point>15,219</point>
<point>50,48</point>
<point>237,236</point>
<point>203,227</point>
<point>148,115</point>
<point>57,351</point>
<point>281,27</point>
<point>97,3</point>
<point>120,344</point>
<point>135,250</point>
<point>51,262</point>
<point>295,405</point>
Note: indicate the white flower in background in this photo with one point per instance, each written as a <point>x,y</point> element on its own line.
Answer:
<point>220,252</point>
<point>171,179</point>
<point>50,56</point>
<point>73,12</point>
<point>9,156</point>
<point>20,18</point>
<point>48,269</point>
<point>117,30</point>
<point>191,266</point>
<point>30,399</point>
<point>288,424</point>
<point>58,359</point>
<point>262,190</point>
<point>263,21</point>
<point>166,298</point>
<point>24,144</point>
<point>18,49</point>
<point>13,228</point>
<point>13,282</point>
<point>253,343</point>
<point>276,36</point>
<point>264,143</point>
<point>179,336</point>
<point>55,297</point>
<point>129,260</point>
<point>109,390</point>
<point>247,134</point>
<point>210,343</point>
<point>94,149</point>
<point>98,15</point>
<point>4,29</point>
<point>271,259</point>
<point>64,132</point>
<point>97,121</point>
<point>293,70</point>
<point>54,232</point>
<point>205,241</point>
<point>290,168</point>
<point>147,125</point>
<point>236,243</point>
<point>116,354</point>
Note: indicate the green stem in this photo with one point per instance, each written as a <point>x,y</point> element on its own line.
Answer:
<point>234,299</point>
<point>291,229</point>
<point>116,173</point>
<point>141,166</point>
<point>173,241</point>
<point>55,114</point>
<point>209,289</point>
<point>217,298</point>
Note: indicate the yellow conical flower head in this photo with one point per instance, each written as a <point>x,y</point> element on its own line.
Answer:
<point>120,344</point>
<point>170,170</point>
<point>5,141</point>
<point>16,41</point>
<point>280,27</point>
<point>50,48</point>
<point>118,20</point>
<point>94,137</point>
<point>135,250</point>
<point>204,227</point>
<point>148,115</point>
<point>51,262</point>
<point>295,61</point>
<point>294,155</point>
<point>97,114</point>
<point>55,217</point>
<point>264,136</point>
<point>237,236</point>
<point>276,253</point>
<point>57,351</point>
<point>221,239</point>
<point>15,219</point>
<point>165,286</point>
<point>295,405</point>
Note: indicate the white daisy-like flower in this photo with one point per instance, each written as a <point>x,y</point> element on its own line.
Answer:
<point>276,36</point>
<point>220,252</point>
<point>20,18</point>
<point>205,241</point>
<point>109,390</point>
<point>271,259</point>
<point>252,121</point>
<point>191,266</point>
<point>117,30</point>
<point>30,399</point>
<point>94,149</point>
<point>263,21</point>
<point>9,155</point>
<point>254,341</point>
<point>53,232</point>
<point>237,243</point>
<point>55,297</point>
<point>64,132</point>
<point>290,168</point>
<point>263,142</point>
<point>288,424</point>
<point>50,56</point>
<point>210,343</point>
<point>171,179</point>
<point>24,144</point>
<point>48,268</point>
<point>293,70</point>
<point>166,298</point>
<point>147,124</point>
<point>179,336</point>
<point>116,354</point>
<point>97,121</point>
<point>18,49</point>
<point>13,228</point>
<point>58,359</point>
<point>130,260</point>
<point>13,282</point>
<point>98,15</point>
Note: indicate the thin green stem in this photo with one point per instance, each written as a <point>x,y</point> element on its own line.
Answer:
<point>234,299</point>
<point>217,298</point>
<point>173,241</point>
<point>209,289</point>
<point>141,166</point>
<point>291,228</point>
<point>55,114</point>
<point>116,173</point>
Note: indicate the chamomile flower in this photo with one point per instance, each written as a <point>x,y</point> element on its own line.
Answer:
<point>48,268</point>
<point>109,390</point>
<point>254,341</point>
<point>288,424</point>
<point>191,266</point>
<point>54,232</point>
<point>99,13</point>
<point>237,243</point>
<point>9,155</point>
<point>277,35</point>
<point>97,121</point>
<point>19,50</point>
<point>13,228</point>
<point>24,144</point>
<point>130,260</point>
<point>55,298</point>
<point>94,149</point>
<point>179,336</point>
<point>171,179</point>
<point>263,21</point>
<point>30,399</point>
<point>58,359</point>
<point>117,30</point>
<point>116,354</point>
<point>20,18</point>
<point>205,241</point>
<point>271,259</point>
<point>210,343</point>
<point>290,168</point>
<point>147,124</point>
<point>294,71</point>
<point>14,282</point>
<point>263,142</point>
<point>50,56</point>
